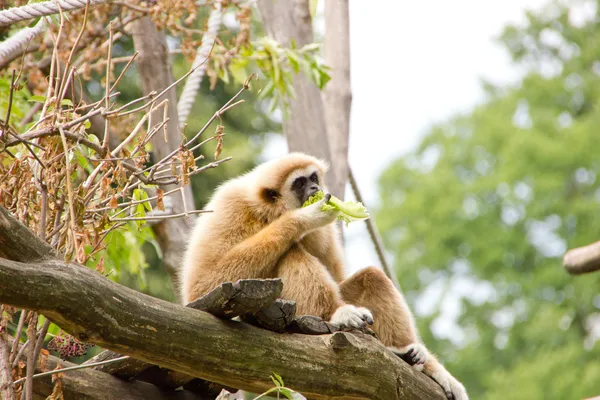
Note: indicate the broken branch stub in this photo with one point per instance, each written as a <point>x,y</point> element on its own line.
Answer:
<point>246,296</point>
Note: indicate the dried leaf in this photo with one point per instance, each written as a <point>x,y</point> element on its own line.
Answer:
<point>113,203</point>
<point>100,265</point>
<point>219,138</point>
<point>160,204</point>
<point>43,359</point>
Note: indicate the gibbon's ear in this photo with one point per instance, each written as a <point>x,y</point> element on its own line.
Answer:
<point>270,195</point>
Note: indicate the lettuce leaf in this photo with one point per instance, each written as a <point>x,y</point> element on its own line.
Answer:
<point>350,211</point>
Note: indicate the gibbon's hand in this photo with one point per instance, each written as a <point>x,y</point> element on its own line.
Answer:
<point>349,316</point>
<point>414,354</point>
<point>317,218</point>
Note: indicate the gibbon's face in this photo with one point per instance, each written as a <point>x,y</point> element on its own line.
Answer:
<point>301,186</point>
<point>295,188</point>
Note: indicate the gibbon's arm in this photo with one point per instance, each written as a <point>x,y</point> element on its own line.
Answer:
<point>257,256</point>
<point>326,245</point>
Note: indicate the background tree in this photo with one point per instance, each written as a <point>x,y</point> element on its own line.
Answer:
<point>479,216</point>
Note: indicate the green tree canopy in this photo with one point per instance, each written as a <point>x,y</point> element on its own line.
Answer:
<point>480,214</point>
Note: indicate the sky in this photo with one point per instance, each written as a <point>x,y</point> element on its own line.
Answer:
<point>414,64</point>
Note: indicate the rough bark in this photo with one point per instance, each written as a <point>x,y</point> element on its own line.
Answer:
<point>337,95</point>
<point>154,67</point>
<point>232,299</point>
<point>582,260</point>
<point>235,354</point>
<point>305,128</point>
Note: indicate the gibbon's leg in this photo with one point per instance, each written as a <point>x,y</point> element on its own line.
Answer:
<point>309,284</point>
<point>395,326</point>
<point>393,321</point>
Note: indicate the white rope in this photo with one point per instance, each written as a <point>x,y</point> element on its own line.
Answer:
<point>16,44</point>
<point>35,10</point>
<point>192,84</point>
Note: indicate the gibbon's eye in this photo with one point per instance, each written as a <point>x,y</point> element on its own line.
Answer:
<point>299,183</point>
<point>270,195</point>
<point>314,178</point>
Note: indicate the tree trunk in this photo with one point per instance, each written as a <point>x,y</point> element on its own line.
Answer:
<point>337,96</point>
<point>154,66</point>
<point>305,129</point>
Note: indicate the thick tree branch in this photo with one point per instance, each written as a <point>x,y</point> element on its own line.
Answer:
<point>582,260</point>
<point>343,365</point>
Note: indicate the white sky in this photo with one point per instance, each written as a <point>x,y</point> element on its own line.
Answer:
<point>414,63</point>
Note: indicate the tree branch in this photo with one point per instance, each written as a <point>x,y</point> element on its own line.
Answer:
<point>92,384</point>
<point>193,342</point>
<point>582,260</point>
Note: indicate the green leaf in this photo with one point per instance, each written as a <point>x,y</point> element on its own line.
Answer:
<point>66,102</point>
<point>87,124</point>
<point>277,379</point>
<point>288,393</point>
<point>238,71</point>
<point>37,99</point>
<point>350,211</point>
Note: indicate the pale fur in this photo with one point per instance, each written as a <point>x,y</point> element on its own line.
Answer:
<point>246,236</point>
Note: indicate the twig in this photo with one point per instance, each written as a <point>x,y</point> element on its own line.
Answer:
<point>10,100</point>
<point>7,390</point>
<point>69,189</point>
<point>31,332</point>
<point>15,344</point>
<point>40,340</point>
<point>82,366</point>
<point>108,87</point>
<point>44,210</point>
<point>160,217</point>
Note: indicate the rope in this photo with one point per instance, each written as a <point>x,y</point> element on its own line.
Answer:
<point>373,233</point>
<point>192,84</point>
<point>35,10</point>
<point>15,45</point>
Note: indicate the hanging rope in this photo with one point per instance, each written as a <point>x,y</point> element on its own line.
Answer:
<point>373,233</point>
<point>192,84</point>
<point>35,10</point>
<point>16,44</point>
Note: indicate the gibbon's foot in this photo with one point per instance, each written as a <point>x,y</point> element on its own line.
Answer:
<point>351,316</point>
<point>415,354</point>
<point>454,389</point>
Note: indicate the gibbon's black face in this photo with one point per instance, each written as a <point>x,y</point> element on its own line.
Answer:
<point>305,186</point>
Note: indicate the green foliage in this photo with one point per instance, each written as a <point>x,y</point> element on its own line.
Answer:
<point>488,204</point>
<point>350,211</point>
<point>278,390</point>
<point>277,64</point>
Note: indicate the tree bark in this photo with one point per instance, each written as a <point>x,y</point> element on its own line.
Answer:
<point>154,67</point>
<point>337,96</point>
<point>305,129</point>
<point>235,354</point>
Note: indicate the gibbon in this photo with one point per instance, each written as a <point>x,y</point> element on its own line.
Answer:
<point>259,229</point>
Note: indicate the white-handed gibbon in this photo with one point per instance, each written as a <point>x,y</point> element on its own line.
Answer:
<point>259,229</point>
